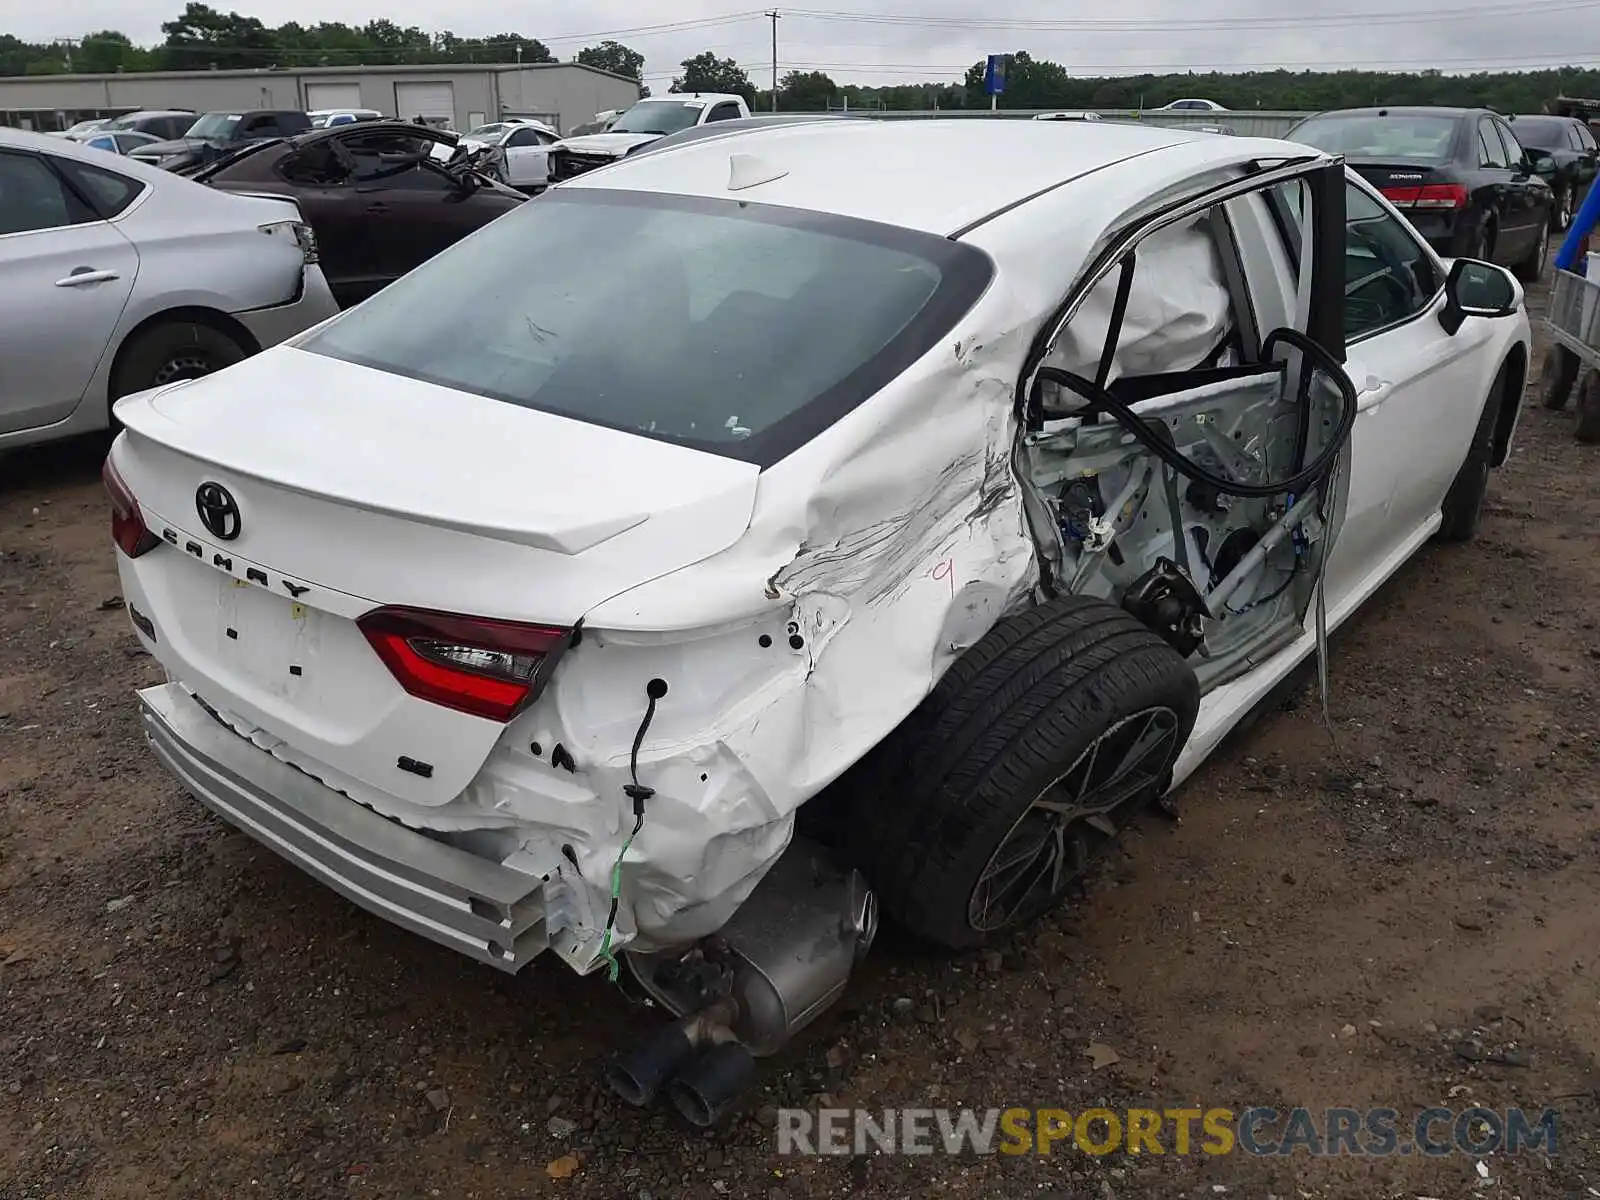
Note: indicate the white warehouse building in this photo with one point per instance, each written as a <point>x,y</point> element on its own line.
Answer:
<point>460,94</point>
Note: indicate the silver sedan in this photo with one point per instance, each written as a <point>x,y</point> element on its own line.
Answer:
<point>121,277</point>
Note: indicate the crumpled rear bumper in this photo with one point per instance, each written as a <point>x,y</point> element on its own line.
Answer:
<point>482,909</point>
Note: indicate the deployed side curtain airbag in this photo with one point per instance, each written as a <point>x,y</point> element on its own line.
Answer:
<point>1178,310</point>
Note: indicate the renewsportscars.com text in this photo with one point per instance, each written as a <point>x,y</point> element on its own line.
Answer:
<point>1180,1131</point>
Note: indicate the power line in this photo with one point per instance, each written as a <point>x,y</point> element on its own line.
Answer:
<point>638,31</point>
<point>1089,70</point>
<point>1190,24</point>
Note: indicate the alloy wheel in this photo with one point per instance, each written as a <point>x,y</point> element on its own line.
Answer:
<point>1053,841</point>
<point>180,367</point>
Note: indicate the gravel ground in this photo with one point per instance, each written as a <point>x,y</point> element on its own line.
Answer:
<point>1399,913</point>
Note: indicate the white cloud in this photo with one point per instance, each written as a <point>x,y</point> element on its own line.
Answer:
<point>871,52</point>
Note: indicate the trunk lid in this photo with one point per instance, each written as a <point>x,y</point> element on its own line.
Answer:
<point>354,489</point>
<point>1410,185</point>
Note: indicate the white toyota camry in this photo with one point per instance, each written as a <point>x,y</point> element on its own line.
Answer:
<point>527,603</point>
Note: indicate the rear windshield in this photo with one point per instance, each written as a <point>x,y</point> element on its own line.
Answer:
<point>737,328</point>
<point>1542,133</point>
<point>1423,138</point>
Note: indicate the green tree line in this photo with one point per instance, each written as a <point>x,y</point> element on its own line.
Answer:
<point>204,38</point>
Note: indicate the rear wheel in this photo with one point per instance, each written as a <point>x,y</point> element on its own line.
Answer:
<point>1559,376</point>
<point>1531,269</point>
<point>170,352</point>
<point>979,813</point>
<point>1481,246</point>
<point>1463,504</point>
<point>1588,429</point>
<point>1561,211</point>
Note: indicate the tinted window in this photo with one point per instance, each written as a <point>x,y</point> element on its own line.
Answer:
<point>1585,138</point>
<point>1542,133</point>
<point>1388,275</point>
<point>105,142</point>
<point>735,327</point>
<point>1491,150</point>
<point>724,112</point>
<point>1424,138</point>
<point>109,192</point>
<point>33,197</point>
<point>1513,148</point>
<point>524,137</point>
<point>317,165</point>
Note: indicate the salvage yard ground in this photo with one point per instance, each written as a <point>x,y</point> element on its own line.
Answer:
<point>1404,915</point>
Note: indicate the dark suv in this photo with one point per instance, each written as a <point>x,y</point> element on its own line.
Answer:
<point>161,123</point>
<point>215,134</point>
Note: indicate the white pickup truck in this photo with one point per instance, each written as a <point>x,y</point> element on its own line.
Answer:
<point>639,126</point>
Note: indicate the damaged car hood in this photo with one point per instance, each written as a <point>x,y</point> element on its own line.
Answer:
<point>616,144</point>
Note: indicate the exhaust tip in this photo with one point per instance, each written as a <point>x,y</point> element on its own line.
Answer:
<point>626,1085</point>
<point>710,1086</point>
<point>638,1075</point>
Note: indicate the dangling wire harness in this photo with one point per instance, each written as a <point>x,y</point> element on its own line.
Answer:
<point>638,793</point>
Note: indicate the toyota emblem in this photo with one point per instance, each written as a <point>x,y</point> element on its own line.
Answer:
<point>219,511</point>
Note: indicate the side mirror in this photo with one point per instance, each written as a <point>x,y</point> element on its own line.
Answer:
<point>1541,164</point>
<point>1476,289</point>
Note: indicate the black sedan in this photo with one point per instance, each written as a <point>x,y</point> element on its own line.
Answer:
<point>1458,174</point>
<point>1570,143</point>
<point>381,196</point>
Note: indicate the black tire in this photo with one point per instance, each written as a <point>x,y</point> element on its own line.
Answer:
<point>1562,208</point>
<point>1531,269</point>
<point>937,801</point>
<point>169,352</point>
<point>1559,377</point>
<point>1588,428</point>
<point>1463,503</point>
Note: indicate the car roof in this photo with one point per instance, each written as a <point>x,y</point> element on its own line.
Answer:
<point>155,112</point>
<point>713,129</point>
<point>385,124</point>
<point>899,172</point>
<point>1402,110</point>
<point>22,139</point>
<point>680,96</point>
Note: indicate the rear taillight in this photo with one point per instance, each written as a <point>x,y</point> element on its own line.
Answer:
<point>1432,195</point>
<point>476,665</point>
<point>304,236</point>
<point>128,529</point>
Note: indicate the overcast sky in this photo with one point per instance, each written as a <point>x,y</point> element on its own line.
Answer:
<point>934,39</point>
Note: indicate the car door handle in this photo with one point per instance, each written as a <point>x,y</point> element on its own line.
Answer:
<point>378,208</point>
<point>86,275</point>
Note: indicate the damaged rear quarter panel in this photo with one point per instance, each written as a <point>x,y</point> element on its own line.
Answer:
<point>887,546</point>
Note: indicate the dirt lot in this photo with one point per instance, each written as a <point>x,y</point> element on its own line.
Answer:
<point>1402,916</point>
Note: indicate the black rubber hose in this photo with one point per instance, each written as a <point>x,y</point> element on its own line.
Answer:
<point>1101,399</point>
<point>638,1075</point>
<point>709,1086</point>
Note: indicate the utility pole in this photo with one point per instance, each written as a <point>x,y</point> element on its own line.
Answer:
<point>774,15</point>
